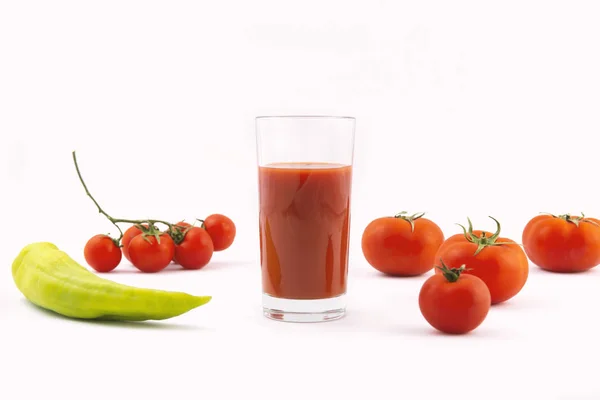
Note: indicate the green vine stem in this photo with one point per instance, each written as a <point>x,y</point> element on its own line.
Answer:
<point>451,274</point>
<point>483,241</point>
<point>150,230</point>
<point>574,219</point>
<point>409,218</point>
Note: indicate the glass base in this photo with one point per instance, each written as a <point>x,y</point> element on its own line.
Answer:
<point>290,310</point>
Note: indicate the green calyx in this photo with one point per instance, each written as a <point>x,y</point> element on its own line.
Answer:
<point>117,242</point>
<point>451,274</point>
<point>150,230</point>
<point>573,219</point>
<point>482,241</point>
<point>178,233</point>
<point>409,218</point>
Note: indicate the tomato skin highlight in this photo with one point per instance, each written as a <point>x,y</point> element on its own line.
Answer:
<point>102,254</point>
<point>221,229</point>
<point>454,307</point>
<point>196,250</point>
<point>129,234</point>
<point>556,245</point>
<point>391,247</point>
<point>148,255</point>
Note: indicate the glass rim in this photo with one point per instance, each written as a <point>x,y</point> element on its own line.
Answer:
<point>304,117</point>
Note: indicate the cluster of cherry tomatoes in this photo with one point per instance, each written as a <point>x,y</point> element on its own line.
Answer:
<point>476,269</point>
<point>152,250</point>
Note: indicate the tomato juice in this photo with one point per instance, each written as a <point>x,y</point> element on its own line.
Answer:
<point>304,229</point>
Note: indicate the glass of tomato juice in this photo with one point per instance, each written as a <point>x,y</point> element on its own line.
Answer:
<point>305,180</point>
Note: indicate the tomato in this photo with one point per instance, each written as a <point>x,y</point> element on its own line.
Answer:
<point>460,237</point>
<point>401,245</point>
<point>221,230</point>
<point>129,234</point>
<point>453,302</point>
<point>102,253</point>
<point>177,234</point>
<point>563,243</point>
<point>149,255</point>
<point>196,249</point>
<point>499,262</point>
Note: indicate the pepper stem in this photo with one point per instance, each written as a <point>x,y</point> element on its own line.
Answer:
<point>451,274</point>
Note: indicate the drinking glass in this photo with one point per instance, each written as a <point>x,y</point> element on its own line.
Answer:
<point>305,181</point>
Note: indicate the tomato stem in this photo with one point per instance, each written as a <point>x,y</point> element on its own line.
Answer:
<point>482,241</point>
<point>573,219</point>
<point>451,274</point>
<point>178,233</point>
<point>409,218</point>
<point>151,230</point>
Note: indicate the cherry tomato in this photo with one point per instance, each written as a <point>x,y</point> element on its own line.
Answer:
<point>149,255</point>
<point>401,245</point>
<point>102,254</point>
<point>499,262</point>
<point>563,243</point>
<point>196,249</point>
<point>178,230</point>
<point>221,230</point>
<point>454,303</point>
<point>183,224</point>
<point>129,234</point>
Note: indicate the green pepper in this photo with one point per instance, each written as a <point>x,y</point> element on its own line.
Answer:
<point>51,279</point>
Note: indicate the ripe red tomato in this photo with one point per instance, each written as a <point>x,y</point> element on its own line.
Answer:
<point>563,243</point>
<point>460,237</point>
<point>402,245</point>
<point>196,249</point>
<point>102,253</point>
<point>221,230</point>
<point>453,302</point>
<point>498,261</point>
<point>129,234</point>
<point>149,255</point>
<point>177,234</point>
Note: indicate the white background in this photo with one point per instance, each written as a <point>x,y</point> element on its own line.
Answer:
<point>463,109</point>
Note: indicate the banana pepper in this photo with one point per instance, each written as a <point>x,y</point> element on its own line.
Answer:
<point>51,279</point>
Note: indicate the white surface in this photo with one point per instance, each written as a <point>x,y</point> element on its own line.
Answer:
<point>463,108</point>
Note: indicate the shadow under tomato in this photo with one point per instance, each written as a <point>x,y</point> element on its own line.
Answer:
<point>504,305</point>
<point>229,264</point>
<point>130,269</point>
<point>160,325</point>
<point>373,273</point>
<point>401,277</point>
<point>480,332</point>
<point>534,269</point>
<point>174,268</point>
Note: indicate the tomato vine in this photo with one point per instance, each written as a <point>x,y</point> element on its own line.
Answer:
<point>150,230</point>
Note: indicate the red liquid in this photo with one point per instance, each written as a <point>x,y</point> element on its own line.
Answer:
<point>304,229</point>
